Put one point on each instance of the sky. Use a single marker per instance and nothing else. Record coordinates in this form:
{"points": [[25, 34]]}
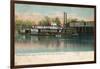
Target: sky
{"points": [[47, 10]]}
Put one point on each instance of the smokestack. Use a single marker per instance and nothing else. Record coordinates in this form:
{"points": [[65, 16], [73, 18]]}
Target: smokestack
{"points": [[65, 18]]}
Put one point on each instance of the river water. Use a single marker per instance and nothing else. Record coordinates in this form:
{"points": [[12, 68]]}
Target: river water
{"points": [[38, 44]]}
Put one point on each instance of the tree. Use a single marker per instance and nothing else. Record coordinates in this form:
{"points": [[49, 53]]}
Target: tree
{"points": [[82, 21], [74, 20], [45, 22], [57, 21], [20, 24], [42, 23]]}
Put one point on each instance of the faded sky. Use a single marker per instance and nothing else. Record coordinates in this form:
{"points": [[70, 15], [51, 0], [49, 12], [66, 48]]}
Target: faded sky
{"points": [[47, 10]]}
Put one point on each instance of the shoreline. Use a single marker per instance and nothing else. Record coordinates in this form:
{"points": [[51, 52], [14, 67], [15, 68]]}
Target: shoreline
{"points": [[51, 57]]}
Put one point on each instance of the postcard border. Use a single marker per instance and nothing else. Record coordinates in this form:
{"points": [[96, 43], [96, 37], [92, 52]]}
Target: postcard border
{"points": [[12, 29]]}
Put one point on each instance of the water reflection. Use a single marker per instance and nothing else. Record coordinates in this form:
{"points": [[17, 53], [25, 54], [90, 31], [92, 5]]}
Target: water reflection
{"points": [[33, 44]]}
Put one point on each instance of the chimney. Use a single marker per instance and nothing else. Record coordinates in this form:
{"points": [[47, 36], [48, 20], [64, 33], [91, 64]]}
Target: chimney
{"points": [[65, 18]]}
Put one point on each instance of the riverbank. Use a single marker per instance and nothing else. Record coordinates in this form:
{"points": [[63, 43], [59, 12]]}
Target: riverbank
{"points": [[53, 57]]}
